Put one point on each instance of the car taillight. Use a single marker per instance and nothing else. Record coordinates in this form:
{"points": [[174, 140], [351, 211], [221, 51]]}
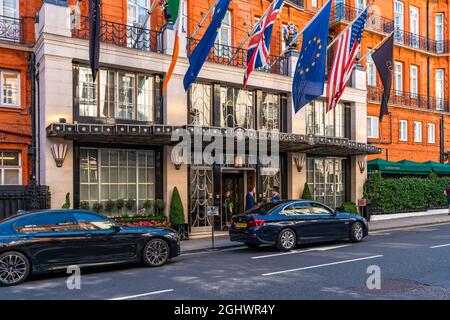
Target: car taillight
{"points": [[255, 223]]}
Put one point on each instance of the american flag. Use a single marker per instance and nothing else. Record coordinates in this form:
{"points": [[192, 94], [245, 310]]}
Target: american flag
{"points": [[259, 46], [344, 60]]}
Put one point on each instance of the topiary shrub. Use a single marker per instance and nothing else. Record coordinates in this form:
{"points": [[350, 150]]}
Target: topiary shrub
{"points": [[120, 204], [97, 207], [159, 205], [306, 193], [129, 204], [84, 205], [66, 205], [176, 214], [348, 207], [110, 206]]}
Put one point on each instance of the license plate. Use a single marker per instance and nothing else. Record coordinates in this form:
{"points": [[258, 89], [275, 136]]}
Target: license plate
{"points": [[241, 225]]}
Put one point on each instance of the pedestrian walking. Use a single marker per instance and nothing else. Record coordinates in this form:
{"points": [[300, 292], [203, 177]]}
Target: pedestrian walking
{"points": [[250, 198], [447, 193], [276, 194]]}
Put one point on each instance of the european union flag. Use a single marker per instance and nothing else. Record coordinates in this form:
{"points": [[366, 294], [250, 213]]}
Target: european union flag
{"points": [[309, 78], [201, 51]]}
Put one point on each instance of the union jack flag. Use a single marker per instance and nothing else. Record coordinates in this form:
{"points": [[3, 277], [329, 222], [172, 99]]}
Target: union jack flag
{"points": [[344, 60], [259, 46]]}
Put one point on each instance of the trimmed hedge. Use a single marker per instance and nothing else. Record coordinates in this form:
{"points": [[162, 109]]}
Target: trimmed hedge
{"points": [[403, 194]]}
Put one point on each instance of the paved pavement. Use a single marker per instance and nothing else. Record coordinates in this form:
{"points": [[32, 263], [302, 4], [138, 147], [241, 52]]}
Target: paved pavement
{"points": [[413, 263], [223, 241]]}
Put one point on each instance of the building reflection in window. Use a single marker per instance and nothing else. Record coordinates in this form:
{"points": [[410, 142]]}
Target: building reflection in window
{"points": [[238, 108], [270, 112], [200, 104], [321, 123]]}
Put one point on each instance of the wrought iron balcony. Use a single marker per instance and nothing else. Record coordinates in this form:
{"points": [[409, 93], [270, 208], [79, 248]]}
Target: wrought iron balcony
{"points": [[237, 57], [120, 34], [422, 43], [10, 29], [375, 94], [298, 3]]}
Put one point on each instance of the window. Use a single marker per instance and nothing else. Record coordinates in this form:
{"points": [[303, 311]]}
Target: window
{"points": [[237, 108], [326, 180], [320, 123], [398, 78], [414, 26], [372, 127], [417, 131], [414, 81], [360, 5], [10, 168], [111, 174], [399, 21], [371, 71], [317, 208], [270, 112], [88, 221], [439, 32], [403, 130], [45, 223], [200, 103], [9, 8], [440, 89], [314, 3], [10, 89], [431, 133], [138, 18], [9, 22], [223, 40], [298, 208], [116, 94]]}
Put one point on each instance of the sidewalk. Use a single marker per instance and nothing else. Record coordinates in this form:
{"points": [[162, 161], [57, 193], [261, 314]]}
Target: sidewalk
{"points": [[222, 242]]}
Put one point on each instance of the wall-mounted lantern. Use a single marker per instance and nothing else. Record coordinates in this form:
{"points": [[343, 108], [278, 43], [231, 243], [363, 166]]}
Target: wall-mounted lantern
{"points": [[59, 152], [299, 160], [177, 158], [362, 164]]}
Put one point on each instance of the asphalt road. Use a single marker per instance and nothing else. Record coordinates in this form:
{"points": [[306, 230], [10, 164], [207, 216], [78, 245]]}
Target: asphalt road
{"points": [[413, 264]]}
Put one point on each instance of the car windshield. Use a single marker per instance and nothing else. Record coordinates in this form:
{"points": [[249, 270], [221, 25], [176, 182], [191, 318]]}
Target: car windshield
{"points": [[264, 209]]}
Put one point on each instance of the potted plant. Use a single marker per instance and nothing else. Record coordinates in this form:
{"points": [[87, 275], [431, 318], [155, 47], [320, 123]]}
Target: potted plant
{"points": [[306, 193], [97, 207], [129, 205], [148, 206], [84, 205], [109, 206], [66, 205], [176, 214], [120, 203], [159, 206]]}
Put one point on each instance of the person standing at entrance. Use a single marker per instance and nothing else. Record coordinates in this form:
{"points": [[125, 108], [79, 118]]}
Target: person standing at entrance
{"points": [[276, 194], [447, 193], [250, 198]]}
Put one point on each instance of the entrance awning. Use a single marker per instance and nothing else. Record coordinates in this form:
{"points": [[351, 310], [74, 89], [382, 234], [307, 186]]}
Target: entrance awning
{"points": [[385, 166], [439, 168], [408, 167], [161, 135]]}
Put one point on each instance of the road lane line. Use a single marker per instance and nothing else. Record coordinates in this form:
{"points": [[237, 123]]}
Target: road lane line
{"points": [[300, 251], [142, 295], [321, 265], [440, 246]]}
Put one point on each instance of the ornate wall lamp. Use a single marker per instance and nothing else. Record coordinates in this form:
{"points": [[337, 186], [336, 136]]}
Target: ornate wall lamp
{"points": [[362, 164], [177, 158], [299, 160], [59, 152]]}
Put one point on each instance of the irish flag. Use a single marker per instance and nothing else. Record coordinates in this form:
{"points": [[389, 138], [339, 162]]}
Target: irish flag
{"points": [[175, 13]]}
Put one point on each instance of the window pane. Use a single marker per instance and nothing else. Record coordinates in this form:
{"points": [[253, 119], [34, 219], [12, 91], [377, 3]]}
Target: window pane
{"points": [[12, 176], [10, 158], [126, 96], [107, 92], [200, 104], [270, 112], [145, 98], [87, 93], [10, 85]]}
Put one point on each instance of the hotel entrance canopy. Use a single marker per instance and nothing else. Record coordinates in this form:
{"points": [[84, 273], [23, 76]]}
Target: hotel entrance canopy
{"points": [[406, 167], [161, 135]]}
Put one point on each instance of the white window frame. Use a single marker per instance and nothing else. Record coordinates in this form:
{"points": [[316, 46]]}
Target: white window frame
{"points": [[222, 48], [371, 71], [440, 88], [414, 81], [5, 168], [360, 5], [439, 32], [417, 131], [373, 127], [399, 20], [403, 130], [9, 105], [414, 25], [431, 128], [16, 14], [314, 3], [398, 78]]}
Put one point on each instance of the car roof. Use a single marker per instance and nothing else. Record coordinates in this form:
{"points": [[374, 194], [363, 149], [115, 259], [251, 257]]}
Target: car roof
{"points": [[38, 212]]}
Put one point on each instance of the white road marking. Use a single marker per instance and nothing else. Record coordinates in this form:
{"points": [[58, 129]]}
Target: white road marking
{"points": [[300, 251], [440, 246], [142, 295], [379, 233], [321, 265]]}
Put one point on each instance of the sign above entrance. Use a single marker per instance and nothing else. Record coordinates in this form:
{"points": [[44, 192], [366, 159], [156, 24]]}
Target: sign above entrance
{"points": [[212, 211]]}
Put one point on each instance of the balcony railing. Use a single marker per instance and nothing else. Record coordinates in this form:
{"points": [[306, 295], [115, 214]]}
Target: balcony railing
{"points": [[298, 3], [237, 57], [375, 94], [121, 35], [10, 29], [342, 12]]}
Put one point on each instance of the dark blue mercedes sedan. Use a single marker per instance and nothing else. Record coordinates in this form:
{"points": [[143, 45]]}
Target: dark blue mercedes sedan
{"points": [[288, 223]]}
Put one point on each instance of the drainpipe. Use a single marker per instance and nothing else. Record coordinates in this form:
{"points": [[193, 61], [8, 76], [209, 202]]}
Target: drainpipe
{"points": [[32, 150], [428, 56], [441, 138]]}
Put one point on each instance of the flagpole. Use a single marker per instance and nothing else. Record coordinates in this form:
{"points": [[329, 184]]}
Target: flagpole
{"points": [[376, 47], [249, 34], [297, 36], [204, 19], [349, 26]]}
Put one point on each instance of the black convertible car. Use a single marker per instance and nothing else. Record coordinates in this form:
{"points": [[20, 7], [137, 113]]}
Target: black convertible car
{"points": [[52, 240]]}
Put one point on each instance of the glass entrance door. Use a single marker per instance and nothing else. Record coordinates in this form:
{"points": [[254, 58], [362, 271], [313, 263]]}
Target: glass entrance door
{"points": [[233, 195]]}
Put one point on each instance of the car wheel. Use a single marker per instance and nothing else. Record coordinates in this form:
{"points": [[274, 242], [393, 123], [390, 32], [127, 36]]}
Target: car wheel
{"points": [[252, 245], [286, 240], [156, 253], [357, 232], [14, 268]]}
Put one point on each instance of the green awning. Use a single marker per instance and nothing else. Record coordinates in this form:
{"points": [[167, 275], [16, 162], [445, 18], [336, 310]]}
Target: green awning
{"points": [[415, 167], [385, 166], [439, 168]]}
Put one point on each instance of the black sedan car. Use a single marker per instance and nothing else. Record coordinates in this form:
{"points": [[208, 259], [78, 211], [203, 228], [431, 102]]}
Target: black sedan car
{"points": [[52, 240], [288, 223]]}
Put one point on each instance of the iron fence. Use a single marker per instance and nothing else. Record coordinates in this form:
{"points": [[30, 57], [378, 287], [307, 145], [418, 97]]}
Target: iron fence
{"points": [[11, 29], [15, 198]]}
